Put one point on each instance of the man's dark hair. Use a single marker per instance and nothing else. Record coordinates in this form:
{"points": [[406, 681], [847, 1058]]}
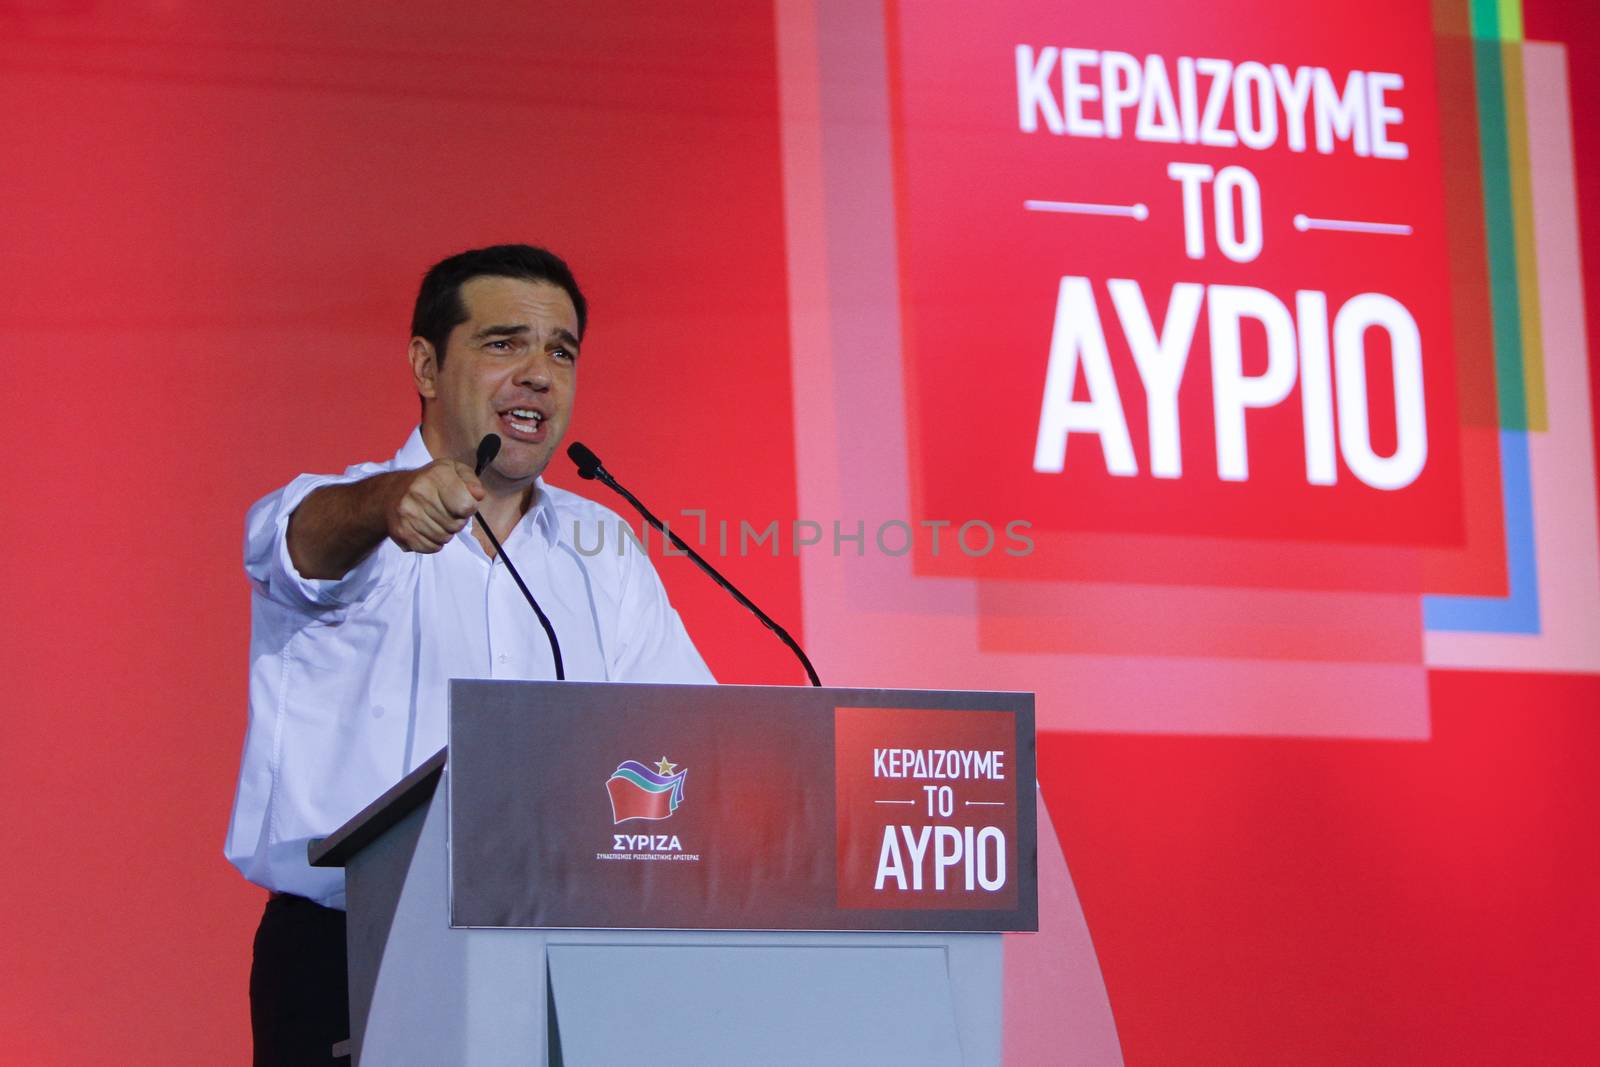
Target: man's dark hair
{"points": [[439, 308]]}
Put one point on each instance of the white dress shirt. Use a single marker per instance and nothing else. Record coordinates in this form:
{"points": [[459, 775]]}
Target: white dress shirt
{"points": [[348, 677]]}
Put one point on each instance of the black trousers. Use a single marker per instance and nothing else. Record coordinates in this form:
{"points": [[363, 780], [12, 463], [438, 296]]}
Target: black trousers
{"points": [[299, 988]]}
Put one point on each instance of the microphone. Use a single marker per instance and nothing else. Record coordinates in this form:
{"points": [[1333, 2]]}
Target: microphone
{"points": [[589, 466], [488, 448], [591, 469]]}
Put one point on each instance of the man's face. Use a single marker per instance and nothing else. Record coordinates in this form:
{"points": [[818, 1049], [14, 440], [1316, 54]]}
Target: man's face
{"points": [[509, 369]]}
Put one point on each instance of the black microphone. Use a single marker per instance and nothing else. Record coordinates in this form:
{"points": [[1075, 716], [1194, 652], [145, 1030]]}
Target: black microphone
{"points": [[488, 448], [590, 468]]}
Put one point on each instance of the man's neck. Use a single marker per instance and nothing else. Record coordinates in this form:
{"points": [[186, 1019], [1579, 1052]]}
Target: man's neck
{"points": [[502, 509]]}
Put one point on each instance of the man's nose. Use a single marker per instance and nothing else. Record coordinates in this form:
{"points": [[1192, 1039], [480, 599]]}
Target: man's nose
{"points": [[535, 370]]}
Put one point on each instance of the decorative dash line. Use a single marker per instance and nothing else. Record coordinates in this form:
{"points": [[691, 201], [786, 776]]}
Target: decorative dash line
{"points": [[894, 801], [1306, 222], [984, 803], [1138, 212]]}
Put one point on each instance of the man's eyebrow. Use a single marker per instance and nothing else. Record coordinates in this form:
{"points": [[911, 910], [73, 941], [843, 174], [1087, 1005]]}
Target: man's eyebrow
{"points": [[499, 331], [566, 338]]}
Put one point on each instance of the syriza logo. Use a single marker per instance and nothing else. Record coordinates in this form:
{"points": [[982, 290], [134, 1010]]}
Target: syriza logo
{"points": [[638, 792], [641, 792]]}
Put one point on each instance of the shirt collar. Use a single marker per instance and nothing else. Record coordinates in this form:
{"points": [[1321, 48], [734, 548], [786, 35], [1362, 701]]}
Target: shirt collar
{"points": [[414, 453], [543, 514]]}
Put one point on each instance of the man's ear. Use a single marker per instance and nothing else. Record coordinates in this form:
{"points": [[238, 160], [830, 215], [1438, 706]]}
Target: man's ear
{"points": [[424, 368]]}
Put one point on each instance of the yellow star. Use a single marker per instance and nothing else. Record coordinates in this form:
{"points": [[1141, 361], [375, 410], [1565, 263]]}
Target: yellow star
{"points": [[664, 768]]}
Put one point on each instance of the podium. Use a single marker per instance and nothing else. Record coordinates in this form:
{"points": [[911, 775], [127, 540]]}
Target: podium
{"points": [[805, 875]]}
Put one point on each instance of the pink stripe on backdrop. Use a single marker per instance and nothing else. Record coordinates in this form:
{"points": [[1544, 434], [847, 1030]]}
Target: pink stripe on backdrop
{"points": [[1256, 624], [1125, 694]]}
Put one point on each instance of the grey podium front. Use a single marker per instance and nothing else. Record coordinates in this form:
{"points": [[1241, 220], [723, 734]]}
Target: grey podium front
{"points": [[424, 993]]}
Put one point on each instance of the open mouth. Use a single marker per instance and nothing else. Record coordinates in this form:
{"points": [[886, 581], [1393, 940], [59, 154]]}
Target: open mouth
{"points": [[524, 424]]}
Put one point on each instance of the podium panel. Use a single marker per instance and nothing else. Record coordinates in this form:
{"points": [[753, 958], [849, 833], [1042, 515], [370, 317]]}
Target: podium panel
{"points": [[741, 807]]}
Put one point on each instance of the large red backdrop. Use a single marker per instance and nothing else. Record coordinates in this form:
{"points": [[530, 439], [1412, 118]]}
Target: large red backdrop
{"points": [[214, 218]]}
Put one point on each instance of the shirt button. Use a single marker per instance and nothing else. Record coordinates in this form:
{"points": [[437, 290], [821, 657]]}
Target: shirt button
{"points": [[377, 711], [504, 658]]}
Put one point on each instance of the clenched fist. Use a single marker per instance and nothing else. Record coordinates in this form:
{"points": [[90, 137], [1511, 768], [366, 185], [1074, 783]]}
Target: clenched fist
{"points": [[432, 505]]}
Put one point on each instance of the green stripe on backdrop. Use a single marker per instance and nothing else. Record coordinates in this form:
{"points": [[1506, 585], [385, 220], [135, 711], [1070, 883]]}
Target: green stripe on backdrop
{"points": [[1499, 226], [1501, 21], [1484, 16]]}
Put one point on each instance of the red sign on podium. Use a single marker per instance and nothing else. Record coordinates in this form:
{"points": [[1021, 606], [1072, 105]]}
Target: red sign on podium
{"points": [[926, 807]]}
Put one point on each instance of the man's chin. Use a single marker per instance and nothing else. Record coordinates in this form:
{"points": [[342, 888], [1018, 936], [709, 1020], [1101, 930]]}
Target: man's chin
{"points": [[519, 471]]}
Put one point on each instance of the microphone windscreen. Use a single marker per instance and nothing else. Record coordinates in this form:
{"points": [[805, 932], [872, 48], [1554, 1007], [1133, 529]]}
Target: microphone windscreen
{"points": [[488, 448], [588, 463]]}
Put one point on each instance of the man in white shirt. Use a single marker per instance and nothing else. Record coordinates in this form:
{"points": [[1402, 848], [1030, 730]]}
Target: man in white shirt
{"points": [[373, 588]]}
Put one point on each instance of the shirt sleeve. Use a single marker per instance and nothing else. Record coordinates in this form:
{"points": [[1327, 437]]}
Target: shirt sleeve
{"points": [[655, 645], [273, 573]]}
